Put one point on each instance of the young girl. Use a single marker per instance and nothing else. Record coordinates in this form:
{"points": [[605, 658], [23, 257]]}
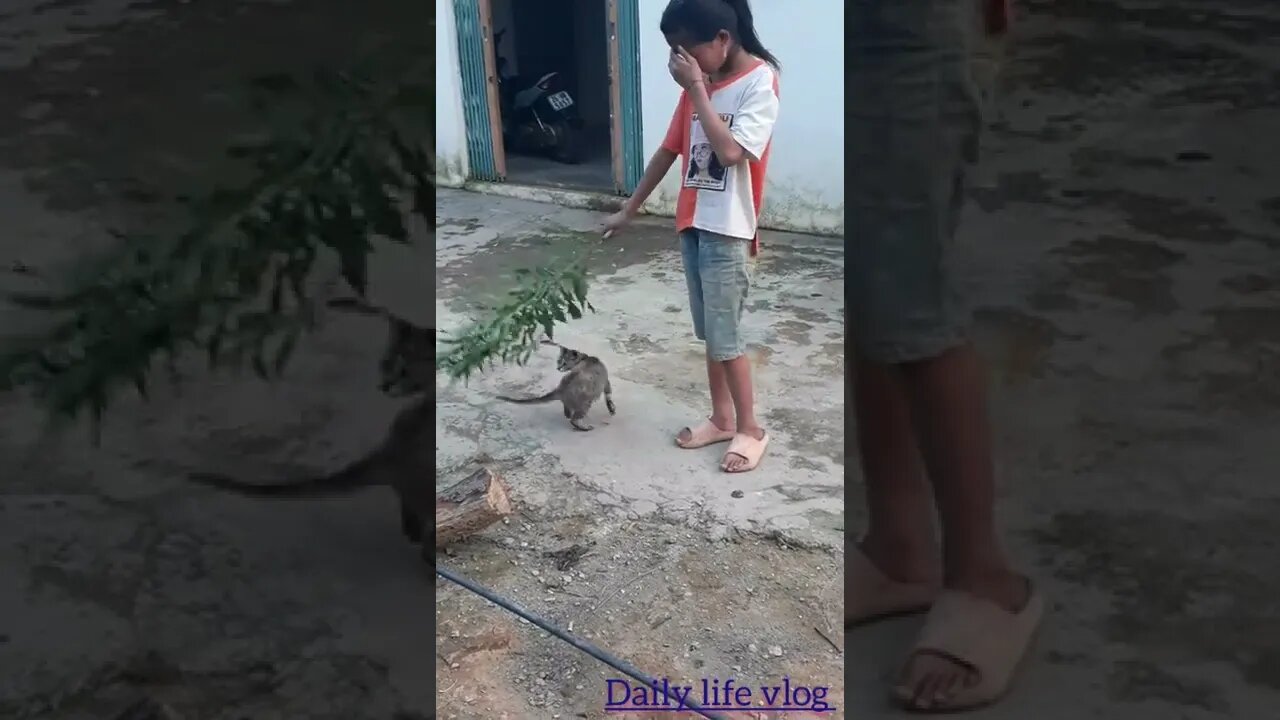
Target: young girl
{"points": [[723, 123]]}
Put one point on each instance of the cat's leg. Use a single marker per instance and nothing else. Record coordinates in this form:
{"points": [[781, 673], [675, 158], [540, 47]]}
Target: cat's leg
{"points": [[576, 421], [608, 398]]}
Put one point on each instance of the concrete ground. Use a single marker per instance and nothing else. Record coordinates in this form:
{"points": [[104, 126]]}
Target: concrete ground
{"points": [[1122, 246], [643, 333]]}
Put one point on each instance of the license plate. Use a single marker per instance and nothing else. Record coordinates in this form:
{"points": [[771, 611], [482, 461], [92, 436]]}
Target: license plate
{"points": [[560, 100]]}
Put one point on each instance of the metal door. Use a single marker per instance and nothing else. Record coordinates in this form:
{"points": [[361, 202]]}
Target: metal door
{"points": [[480, 90], [624, 93]]}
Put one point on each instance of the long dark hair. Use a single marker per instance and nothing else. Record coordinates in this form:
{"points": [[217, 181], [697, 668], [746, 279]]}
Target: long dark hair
{"points": [[702, 19]]}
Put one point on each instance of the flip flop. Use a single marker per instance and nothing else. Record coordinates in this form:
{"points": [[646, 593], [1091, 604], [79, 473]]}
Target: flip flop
{"points": [[980, 635], [703, 435], [749, 448], [871, 596]]}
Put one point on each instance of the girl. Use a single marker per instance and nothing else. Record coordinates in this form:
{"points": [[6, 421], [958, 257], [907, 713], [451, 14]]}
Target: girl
{"points": [[724, 121]]}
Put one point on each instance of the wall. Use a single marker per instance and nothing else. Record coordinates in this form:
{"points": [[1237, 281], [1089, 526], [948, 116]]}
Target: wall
{"points": [[805, 188], [451, 131]]}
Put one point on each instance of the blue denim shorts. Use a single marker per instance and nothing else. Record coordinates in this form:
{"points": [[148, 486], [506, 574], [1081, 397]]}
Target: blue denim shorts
{"points": [[918, 88], [717, 269]]}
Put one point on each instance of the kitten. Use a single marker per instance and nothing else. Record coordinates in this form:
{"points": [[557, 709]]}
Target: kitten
{"points": [[405, 461], [585, 379]]}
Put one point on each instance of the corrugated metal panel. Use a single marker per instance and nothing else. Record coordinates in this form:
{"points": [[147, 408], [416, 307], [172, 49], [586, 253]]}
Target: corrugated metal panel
{"points": [[629, 72], [475, 97]]}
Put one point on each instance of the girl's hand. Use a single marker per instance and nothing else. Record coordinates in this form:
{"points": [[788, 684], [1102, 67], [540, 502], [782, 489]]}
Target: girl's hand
{"points": [[683, 68], [616, 222]]}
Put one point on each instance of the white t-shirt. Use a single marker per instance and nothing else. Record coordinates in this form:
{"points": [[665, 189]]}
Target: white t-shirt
{"points": [[712, 197]]}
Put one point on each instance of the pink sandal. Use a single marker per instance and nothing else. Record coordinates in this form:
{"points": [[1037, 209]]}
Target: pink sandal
{"points": [[990, 641], [703, 435], [871, 596], [749, 448]]}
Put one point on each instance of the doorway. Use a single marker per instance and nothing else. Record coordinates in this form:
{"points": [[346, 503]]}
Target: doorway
{"points": [[514, 46]]}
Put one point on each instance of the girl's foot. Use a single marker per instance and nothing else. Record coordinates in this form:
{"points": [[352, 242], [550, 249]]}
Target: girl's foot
{"points": [[970, 647], [708, 432], [873, 593], [746, 451]]}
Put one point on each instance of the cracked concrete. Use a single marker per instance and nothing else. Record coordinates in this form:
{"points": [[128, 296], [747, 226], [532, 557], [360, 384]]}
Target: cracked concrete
{"points": [[643, 333]]}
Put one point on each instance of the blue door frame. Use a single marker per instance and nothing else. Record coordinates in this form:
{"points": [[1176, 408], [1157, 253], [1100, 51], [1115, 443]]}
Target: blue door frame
{"points": [[485, 153], [483, 119], [625, 43]]}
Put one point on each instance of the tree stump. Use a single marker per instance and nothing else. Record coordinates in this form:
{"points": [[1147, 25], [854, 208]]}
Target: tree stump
{"points": [[471, 505]]}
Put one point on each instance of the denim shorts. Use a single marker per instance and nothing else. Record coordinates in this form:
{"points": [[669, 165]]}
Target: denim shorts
{"points": [[718, 273], [919, 78]]}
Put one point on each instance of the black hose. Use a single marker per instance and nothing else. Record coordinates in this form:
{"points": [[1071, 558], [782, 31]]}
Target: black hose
{"points": [[582, 645]]}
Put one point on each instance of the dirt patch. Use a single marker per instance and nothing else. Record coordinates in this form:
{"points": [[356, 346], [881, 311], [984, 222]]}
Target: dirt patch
{"points": [[669, 598]]}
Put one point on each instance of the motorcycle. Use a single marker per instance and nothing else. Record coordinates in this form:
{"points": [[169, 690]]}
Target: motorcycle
{"points": [[538, 117]]}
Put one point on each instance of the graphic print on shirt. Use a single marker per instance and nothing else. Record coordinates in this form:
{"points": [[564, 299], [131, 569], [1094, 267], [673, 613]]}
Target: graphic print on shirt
{"points": [[705, 171]]}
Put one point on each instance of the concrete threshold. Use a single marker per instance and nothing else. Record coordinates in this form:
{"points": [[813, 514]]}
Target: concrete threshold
{"points": [[584, 200], [565, 197]]}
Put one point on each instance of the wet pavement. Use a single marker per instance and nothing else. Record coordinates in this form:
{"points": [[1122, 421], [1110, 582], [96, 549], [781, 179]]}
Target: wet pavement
{"points": [[642, 332], [1122, 246]]}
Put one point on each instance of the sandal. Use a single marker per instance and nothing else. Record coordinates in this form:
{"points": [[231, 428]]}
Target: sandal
{"points": [[975, 633], [703, 435], [749, 448], [871, 596]]}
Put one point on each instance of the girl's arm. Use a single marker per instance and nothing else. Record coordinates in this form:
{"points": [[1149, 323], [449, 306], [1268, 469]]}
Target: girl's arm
{"points": [[725, 145], [658, 166]]}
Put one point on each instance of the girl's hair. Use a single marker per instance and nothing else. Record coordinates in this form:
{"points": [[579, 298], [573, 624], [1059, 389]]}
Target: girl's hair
{"points": [[702, 19]]}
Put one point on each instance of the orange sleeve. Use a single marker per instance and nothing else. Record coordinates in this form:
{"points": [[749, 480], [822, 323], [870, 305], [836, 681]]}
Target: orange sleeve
{"points": [[674, 140]]}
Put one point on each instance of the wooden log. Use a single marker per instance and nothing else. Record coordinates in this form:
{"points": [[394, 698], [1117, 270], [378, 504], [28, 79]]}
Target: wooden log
{"points": [[471, 505]]}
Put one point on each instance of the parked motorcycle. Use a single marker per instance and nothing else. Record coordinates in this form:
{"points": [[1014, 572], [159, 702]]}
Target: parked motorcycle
{"points": [[539, 117]]}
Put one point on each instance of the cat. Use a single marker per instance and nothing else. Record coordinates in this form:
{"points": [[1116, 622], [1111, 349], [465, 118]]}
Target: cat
{"points": [[585, 379], [405, 460]]}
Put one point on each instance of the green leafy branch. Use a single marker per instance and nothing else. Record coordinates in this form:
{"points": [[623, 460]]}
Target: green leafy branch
{"points": [[235, 284], [511, 335]]}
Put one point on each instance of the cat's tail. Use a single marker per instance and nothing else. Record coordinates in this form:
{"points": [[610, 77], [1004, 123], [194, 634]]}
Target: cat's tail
{"points": [[349, 479], [554, 394]]}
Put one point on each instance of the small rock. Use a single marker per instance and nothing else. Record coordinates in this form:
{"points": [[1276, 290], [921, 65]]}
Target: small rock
{"points": [[776, 651]]}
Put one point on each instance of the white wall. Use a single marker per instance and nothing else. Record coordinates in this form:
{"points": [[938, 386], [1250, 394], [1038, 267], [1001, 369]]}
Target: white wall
{"points": [[805, 187], [451, 129]]}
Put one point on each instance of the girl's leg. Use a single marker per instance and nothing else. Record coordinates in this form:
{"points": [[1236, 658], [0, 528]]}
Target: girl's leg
{"points": [[899, 540], [721, 401], [725, 277], [722, 404]]}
